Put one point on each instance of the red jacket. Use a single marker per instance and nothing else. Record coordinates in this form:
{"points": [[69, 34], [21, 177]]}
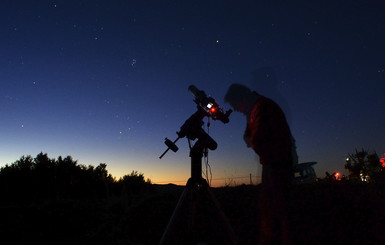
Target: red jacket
{"points": [[268, 133]]}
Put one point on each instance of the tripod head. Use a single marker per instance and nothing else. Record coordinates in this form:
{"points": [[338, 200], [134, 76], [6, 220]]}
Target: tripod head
{"points": [[192, 128]]}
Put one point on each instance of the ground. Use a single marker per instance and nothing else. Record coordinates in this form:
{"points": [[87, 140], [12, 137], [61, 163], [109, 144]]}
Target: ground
{"points": [[322, 213]]}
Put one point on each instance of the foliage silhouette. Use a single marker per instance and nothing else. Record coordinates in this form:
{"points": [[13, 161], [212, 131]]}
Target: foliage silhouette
{"points": [[364, 166], [134, 182], [41, 178]]}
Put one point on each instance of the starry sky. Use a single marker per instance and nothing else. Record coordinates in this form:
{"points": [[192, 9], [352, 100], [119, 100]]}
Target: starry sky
{"points": [[106, 81]]}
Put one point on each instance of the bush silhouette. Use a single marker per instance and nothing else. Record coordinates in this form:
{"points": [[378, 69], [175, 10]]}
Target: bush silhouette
{"points": [[364, 166], [39, 178]]}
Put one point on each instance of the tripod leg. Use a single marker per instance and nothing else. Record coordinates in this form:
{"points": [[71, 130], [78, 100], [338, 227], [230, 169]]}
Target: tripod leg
{"points": [[222, 216], [169, 230], [198, 218]]}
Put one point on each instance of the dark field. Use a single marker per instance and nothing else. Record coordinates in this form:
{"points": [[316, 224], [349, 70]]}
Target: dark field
{"points": [[322, 213]]}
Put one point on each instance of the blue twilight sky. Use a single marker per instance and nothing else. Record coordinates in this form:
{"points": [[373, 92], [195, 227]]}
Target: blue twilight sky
{"points": [[106, 81]]}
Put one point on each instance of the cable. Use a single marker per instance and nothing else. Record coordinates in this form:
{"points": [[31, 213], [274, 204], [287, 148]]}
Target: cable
{"points": [[206, 154], [208, 169]]}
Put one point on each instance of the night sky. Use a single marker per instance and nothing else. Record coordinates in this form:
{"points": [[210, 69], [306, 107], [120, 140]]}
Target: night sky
{"points": [[106, 81]]}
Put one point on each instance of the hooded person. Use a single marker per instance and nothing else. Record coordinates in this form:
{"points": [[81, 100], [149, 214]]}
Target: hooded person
{"points": [[268, 134]]}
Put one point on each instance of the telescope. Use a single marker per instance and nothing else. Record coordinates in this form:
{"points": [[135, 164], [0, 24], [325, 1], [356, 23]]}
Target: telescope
{"points": [[192, 128], [197, 200]]}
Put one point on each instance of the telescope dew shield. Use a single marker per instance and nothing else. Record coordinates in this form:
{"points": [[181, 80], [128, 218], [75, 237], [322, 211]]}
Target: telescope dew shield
{"points": [[199, 95]]}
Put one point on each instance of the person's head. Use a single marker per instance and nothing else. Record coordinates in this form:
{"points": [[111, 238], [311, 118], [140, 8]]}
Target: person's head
{"points": [[241, 98]]}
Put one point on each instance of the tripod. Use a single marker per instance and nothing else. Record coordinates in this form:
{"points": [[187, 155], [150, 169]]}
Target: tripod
{"points": [[197, 218]]}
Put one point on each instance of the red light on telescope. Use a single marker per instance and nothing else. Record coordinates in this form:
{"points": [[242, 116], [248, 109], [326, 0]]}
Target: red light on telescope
{"points": [[212, 109]]}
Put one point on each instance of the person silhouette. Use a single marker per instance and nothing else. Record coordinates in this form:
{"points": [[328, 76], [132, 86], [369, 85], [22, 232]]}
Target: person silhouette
{"points": [[268, 134], [267, 82]]}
